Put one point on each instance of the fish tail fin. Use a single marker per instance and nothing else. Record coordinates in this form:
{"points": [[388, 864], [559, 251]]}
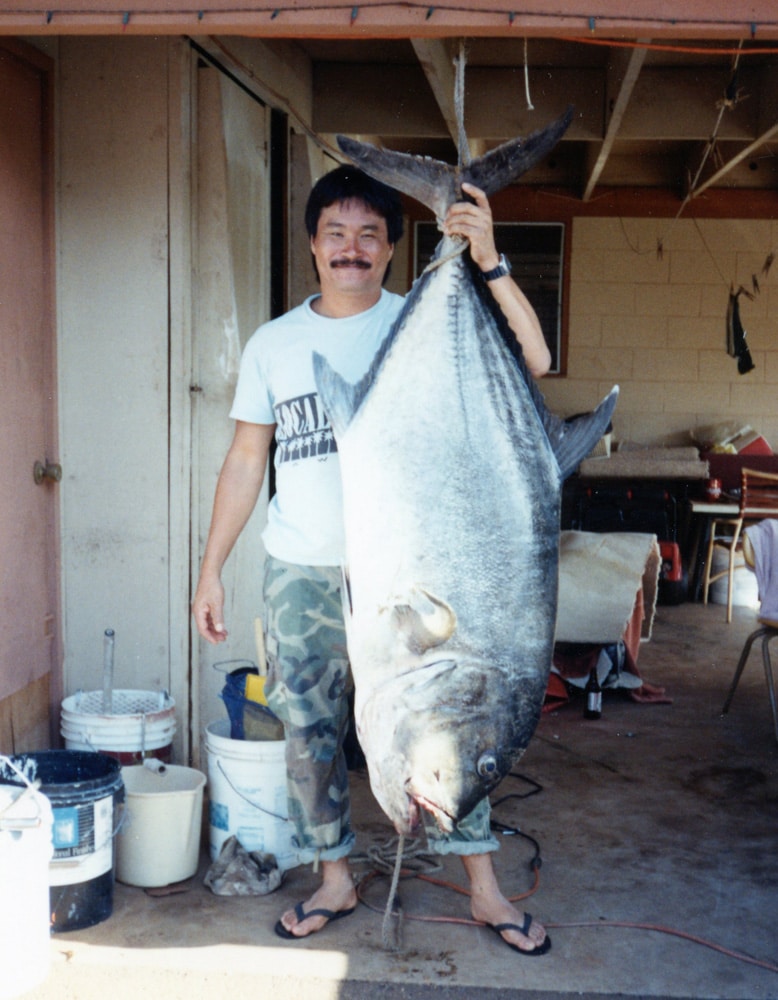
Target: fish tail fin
{"points": [[499, 167], [430, 181], [573, 439], [437, 184], [339, 397]]}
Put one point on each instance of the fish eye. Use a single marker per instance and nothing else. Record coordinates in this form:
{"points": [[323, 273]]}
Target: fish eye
{"points": [[487, 764]]}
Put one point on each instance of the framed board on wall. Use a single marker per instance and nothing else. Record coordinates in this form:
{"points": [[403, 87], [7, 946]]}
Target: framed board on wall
{"points": [[536, 252]]}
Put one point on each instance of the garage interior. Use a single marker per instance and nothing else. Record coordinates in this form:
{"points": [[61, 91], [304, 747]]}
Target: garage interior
{"points": [[655, 828], [656, 823]]}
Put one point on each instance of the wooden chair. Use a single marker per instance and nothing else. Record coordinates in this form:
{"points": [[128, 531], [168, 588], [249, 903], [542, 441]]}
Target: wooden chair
{"points": [[768, 629], [758, 500]]}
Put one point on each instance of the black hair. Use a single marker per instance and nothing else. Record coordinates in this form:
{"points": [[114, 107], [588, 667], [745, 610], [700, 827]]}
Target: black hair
{"points": [[346, 183]]}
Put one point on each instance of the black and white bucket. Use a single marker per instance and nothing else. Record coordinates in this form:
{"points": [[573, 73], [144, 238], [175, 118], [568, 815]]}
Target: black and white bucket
{"points": [[86, 793]]}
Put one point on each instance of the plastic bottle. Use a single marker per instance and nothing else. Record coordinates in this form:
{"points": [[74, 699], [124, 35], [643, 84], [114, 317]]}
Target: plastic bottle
{"points": [[593, 692]]}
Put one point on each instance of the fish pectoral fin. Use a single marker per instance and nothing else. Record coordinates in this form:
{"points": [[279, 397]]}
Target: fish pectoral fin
{"points": [[423, 620]]}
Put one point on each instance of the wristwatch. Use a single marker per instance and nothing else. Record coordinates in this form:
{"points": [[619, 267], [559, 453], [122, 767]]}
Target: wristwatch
{"points": [[503, 268]]}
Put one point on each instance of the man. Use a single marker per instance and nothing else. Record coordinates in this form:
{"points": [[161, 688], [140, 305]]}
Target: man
{"points": [[353, 225]]}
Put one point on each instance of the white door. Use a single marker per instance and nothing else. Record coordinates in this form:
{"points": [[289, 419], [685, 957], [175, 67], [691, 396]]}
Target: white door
{"points": [[29, 649], [232, 298]]}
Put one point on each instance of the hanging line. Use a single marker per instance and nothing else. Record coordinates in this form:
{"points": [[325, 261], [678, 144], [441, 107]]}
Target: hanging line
{"points": [[463, 150], [712, 141], [530, 105]]}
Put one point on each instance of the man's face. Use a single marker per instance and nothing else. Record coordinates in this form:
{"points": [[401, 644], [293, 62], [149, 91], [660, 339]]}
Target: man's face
{"points": [[351, 249]]}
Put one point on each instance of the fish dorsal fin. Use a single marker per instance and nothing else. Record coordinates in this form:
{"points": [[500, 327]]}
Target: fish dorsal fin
{"points": [[437, 184], [339, 397], [570, 440], [423, 620]]}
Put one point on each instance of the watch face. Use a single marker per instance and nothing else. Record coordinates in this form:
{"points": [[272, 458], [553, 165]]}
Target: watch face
{"points": [[500, 271]]}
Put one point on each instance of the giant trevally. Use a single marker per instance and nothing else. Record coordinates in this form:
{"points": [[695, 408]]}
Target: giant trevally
{"points": [[452, 469]]}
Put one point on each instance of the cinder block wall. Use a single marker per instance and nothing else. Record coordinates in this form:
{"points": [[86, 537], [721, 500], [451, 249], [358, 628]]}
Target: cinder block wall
{"points": [[655, 323]]}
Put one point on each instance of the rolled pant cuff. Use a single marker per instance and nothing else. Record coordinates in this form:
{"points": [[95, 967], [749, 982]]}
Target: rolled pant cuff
{"points": [[308, 855], [463, 846]]}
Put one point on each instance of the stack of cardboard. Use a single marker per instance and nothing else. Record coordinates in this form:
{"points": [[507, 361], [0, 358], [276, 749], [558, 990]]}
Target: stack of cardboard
{"points": [[744, 441]]}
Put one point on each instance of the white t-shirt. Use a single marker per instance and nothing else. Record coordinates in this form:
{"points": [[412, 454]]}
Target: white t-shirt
{"points": [[276, 386]]}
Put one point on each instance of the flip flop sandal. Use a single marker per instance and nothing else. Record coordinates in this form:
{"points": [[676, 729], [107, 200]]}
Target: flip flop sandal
{"points": [[301, 915], [540, 949]]}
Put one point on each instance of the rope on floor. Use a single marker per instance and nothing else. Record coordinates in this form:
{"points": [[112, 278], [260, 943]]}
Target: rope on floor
{"points": [[411, 860]]}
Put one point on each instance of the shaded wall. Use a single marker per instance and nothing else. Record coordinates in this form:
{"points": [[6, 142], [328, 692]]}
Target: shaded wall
{"points": [[656, 324]]}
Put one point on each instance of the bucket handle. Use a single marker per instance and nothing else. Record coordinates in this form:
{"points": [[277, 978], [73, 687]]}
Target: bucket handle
{"points": [[256, 805], [88, 740], [27, 823], [124, 818]]}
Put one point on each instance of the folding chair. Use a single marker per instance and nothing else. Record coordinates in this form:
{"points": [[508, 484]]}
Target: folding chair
{"points": [[768, 629], [758, 500]]}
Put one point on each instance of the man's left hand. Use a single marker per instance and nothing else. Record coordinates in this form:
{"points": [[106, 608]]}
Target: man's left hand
{"points": [[473, 221]]}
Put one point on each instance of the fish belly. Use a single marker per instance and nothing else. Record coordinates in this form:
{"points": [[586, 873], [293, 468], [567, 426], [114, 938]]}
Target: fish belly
{"points": [[450, 485]]}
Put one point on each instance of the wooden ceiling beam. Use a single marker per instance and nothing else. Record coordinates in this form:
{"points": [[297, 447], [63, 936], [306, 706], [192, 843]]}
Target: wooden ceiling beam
{"points": [[743, 154], [437, 65], [622, 74], [436, 60]]}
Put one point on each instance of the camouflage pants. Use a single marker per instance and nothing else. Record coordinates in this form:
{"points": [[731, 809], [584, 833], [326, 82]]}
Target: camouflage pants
{"points": [[308, 686]]}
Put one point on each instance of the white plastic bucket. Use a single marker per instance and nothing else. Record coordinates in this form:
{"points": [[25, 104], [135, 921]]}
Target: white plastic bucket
{"points": [[745, 592], [247, 794], [142, 724], [25, 852], [159, 840]]}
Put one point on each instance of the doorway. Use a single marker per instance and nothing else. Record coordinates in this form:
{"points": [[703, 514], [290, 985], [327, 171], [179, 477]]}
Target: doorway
{"points": [[30, 680]]}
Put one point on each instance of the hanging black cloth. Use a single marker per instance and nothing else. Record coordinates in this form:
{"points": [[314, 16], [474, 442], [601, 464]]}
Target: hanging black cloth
{"points": [[736, 335]]}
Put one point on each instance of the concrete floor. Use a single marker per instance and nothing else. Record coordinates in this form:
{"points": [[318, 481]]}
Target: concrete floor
{"points": [[664, 817]]}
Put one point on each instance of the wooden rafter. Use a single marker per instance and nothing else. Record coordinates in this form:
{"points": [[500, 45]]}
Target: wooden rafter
{"points": [[623, 72]]}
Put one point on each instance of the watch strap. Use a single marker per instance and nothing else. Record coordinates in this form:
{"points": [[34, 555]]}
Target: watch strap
{"points": [[500, 271]]}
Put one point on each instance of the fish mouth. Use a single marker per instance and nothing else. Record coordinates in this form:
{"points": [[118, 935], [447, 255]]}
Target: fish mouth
{"points": [[417, 802]]}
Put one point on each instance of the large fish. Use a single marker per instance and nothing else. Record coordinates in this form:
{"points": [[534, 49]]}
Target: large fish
{"points": [[452, 470]]}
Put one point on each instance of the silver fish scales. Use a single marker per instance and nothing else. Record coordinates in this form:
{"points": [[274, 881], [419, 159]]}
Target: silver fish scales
{"points": [[452, 470]]}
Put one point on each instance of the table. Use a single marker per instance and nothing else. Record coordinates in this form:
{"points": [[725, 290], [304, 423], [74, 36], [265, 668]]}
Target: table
{"points": [[715, 508], [705, 511]]}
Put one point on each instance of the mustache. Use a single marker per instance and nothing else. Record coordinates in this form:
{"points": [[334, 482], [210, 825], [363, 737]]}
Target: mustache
{"points": [[365, 265]]}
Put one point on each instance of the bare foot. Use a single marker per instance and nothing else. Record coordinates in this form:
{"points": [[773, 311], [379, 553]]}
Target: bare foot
{"points": [[336, 894], [489, 905]]}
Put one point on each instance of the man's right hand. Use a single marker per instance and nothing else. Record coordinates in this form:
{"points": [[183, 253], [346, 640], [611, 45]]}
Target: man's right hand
{"points": [[208, 610], [237, 489]]}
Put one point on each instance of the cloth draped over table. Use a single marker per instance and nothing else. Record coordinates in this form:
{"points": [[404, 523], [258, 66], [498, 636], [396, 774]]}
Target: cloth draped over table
{"points": [[607, 602]]}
